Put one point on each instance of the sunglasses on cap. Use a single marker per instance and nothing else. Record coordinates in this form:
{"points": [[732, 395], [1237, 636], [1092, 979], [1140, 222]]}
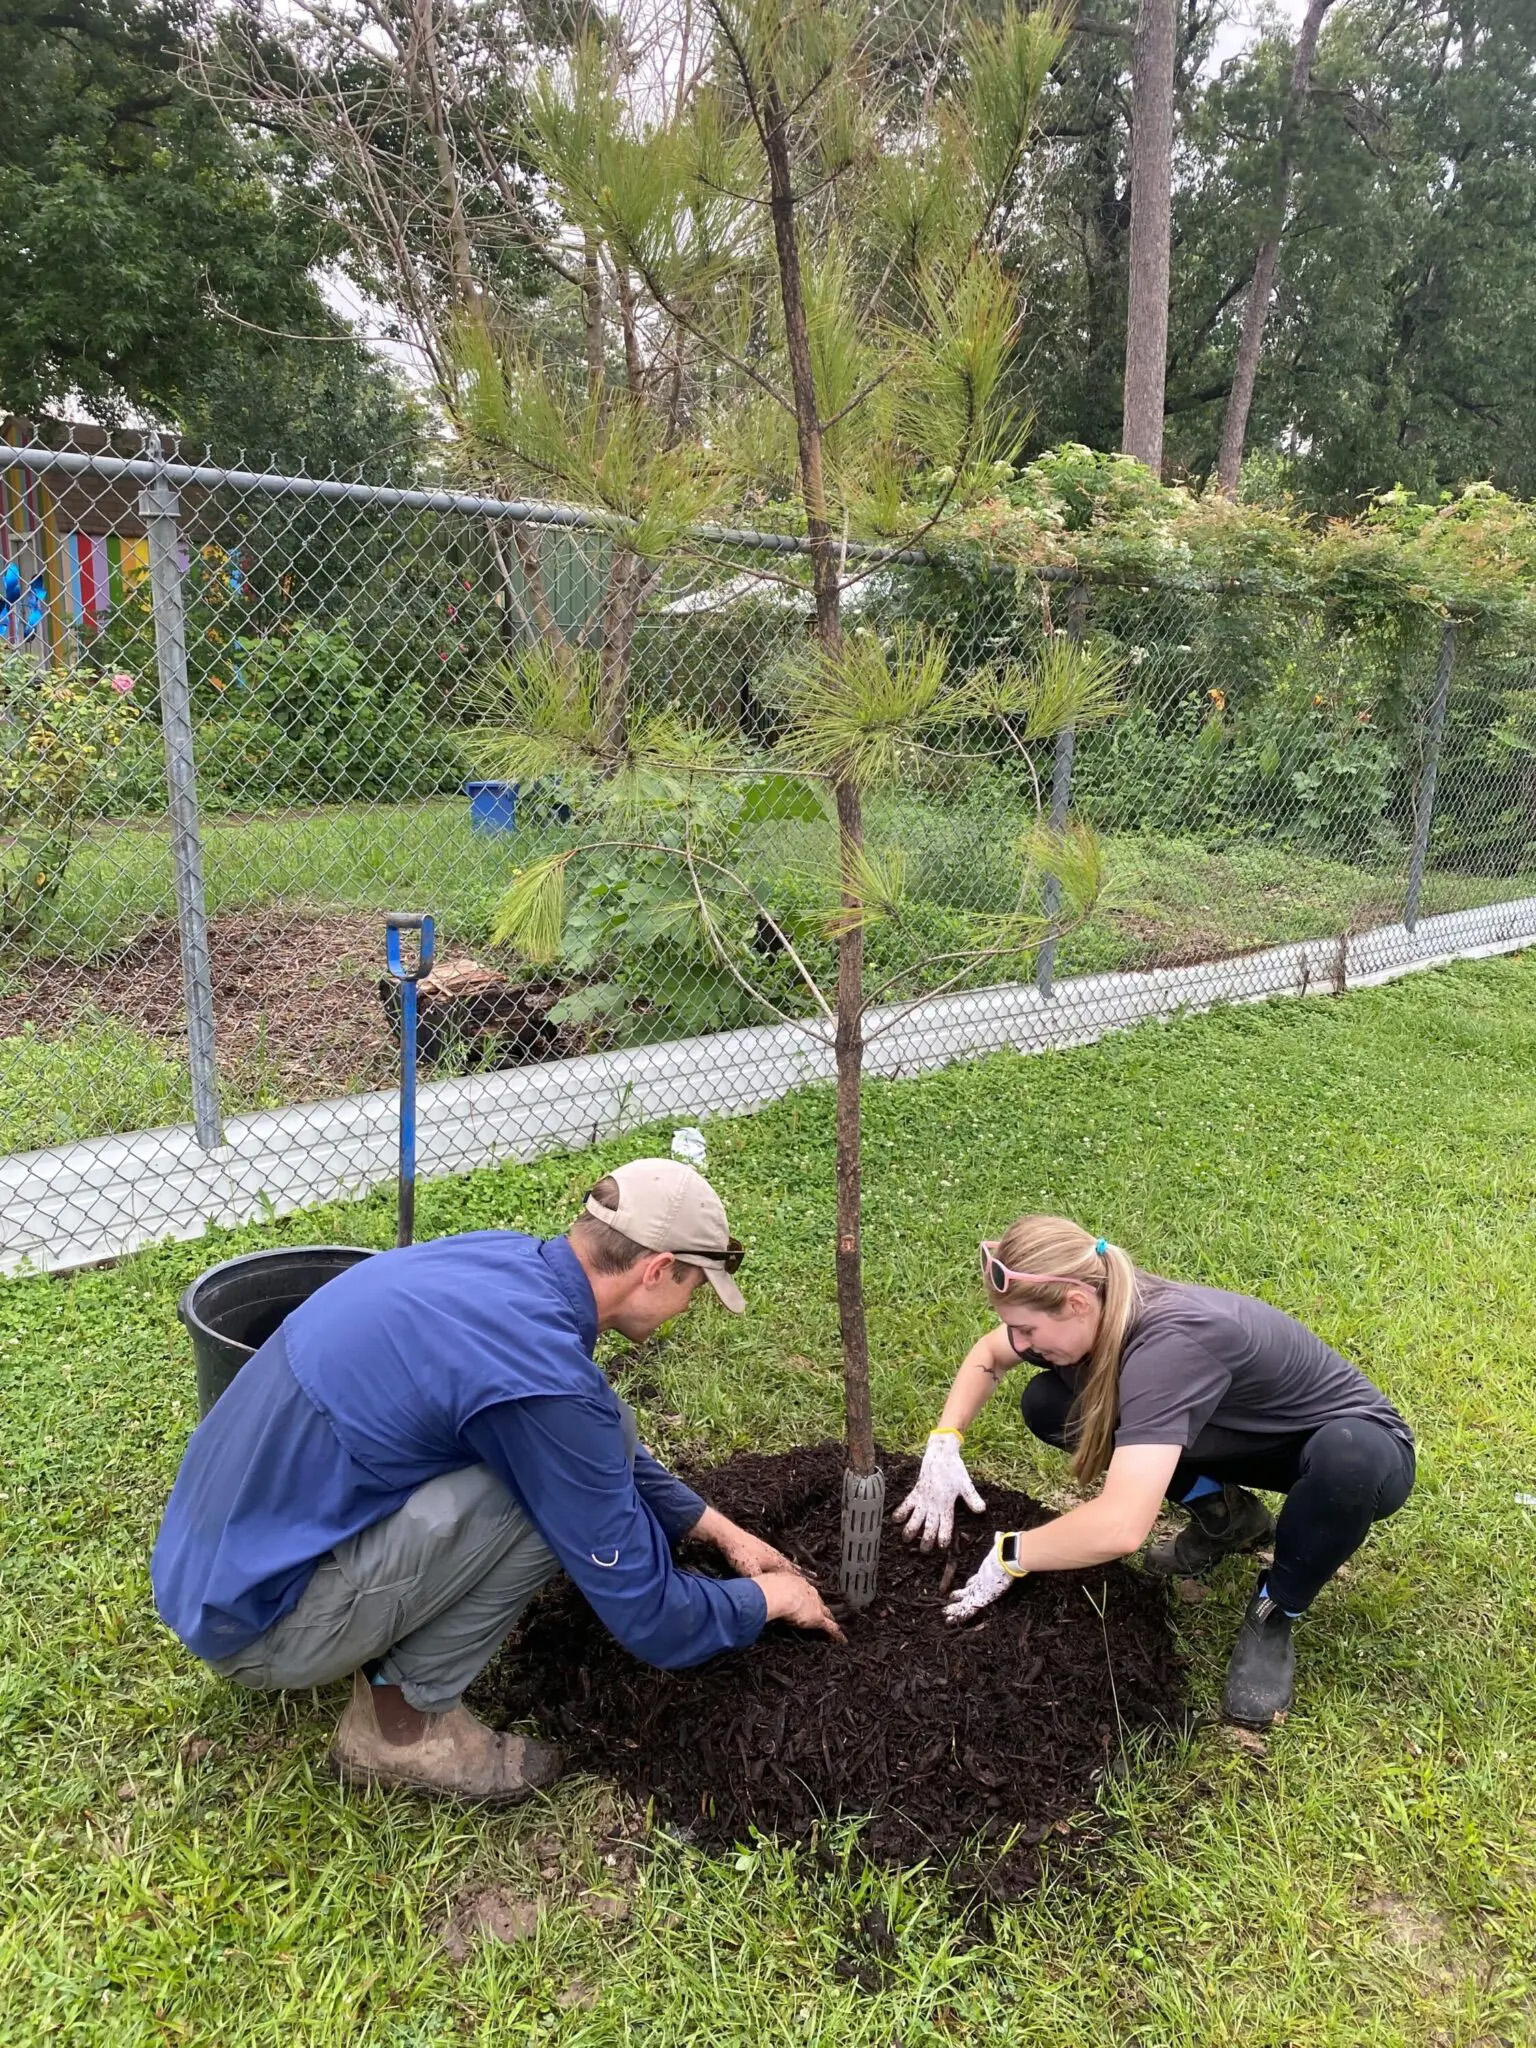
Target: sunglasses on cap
{"points": [[1000, 1277], [730, 1259]]}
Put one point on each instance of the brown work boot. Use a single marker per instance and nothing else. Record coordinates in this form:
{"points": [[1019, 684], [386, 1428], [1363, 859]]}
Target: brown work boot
{"points": [[383, 1741], [1220, 1525]]}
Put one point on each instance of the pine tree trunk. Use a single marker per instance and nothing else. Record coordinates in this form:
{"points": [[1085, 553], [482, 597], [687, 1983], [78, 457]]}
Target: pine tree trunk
{"points": [[530, 558], [850, 1074], [863, 1491], [1234, 425], [592, 316], [1146, 317], [627, 578]]}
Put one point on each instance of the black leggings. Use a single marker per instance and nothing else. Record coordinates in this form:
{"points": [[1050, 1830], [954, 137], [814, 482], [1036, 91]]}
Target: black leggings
{"points": [[1337, 1480]]}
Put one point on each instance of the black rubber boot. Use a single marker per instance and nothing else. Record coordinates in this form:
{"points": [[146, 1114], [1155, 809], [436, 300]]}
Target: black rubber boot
{"points": [[1261, 1672], [1220, 1525]]}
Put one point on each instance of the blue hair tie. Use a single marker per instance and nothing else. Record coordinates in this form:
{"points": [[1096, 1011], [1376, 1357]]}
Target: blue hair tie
{"points": [[1102, 1246]]}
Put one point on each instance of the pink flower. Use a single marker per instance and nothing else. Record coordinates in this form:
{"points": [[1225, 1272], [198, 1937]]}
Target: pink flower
{"points": [[121, 683]]}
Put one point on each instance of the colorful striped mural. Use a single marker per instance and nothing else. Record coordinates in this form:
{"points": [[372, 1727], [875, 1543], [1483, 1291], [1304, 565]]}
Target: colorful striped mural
{"points": [[53, 583]]}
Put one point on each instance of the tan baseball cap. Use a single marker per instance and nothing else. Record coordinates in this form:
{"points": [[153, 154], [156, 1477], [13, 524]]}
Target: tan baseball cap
{"points": [[670, 1207]]}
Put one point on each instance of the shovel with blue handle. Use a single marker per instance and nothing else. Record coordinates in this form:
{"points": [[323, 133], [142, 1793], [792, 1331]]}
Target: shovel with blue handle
{"points": [[408, 944]]}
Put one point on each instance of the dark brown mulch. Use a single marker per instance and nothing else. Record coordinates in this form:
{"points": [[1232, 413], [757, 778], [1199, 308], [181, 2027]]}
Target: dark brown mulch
{"points": [[472, 1017], [942, 1735]]}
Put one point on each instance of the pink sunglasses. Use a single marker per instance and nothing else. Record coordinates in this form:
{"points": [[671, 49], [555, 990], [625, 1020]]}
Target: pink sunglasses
{"points": [[1000, 1277]]}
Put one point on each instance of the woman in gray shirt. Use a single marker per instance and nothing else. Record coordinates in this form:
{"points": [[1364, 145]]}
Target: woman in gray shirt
{"points": [[1169, 1391]]}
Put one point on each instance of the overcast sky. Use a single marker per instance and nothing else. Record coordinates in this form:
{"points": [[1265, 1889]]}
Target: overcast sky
{"points": [[1236, 33]]}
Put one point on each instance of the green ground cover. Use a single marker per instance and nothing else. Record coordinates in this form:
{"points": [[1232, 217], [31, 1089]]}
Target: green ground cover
{"points": [[1165, 900], [1161, 890], [176, 1865]]}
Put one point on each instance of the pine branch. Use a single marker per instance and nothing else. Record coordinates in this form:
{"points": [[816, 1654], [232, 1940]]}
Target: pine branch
{"points": [[722, 954]]}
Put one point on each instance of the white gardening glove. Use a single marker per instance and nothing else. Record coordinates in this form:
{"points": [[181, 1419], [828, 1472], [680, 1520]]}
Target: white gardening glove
{"points": [[989, 1582], [928, 1512]]}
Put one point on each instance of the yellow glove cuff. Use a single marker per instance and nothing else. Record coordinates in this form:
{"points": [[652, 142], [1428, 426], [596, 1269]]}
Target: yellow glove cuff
{"points": [[1011, 1566], [957, 1434]]}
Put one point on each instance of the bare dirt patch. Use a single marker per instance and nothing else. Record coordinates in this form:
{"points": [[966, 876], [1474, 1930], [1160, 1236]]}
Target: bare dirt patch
{"points": [[302, 1006], [491, 1914], [295, 998], [1409, 1923], [1160, 944]]}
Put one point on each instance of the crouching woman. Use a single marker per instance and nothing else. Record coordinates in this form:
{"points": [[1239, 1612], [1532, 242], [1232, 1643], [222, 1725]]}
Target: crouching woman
{"points": [[1172, 1391]]}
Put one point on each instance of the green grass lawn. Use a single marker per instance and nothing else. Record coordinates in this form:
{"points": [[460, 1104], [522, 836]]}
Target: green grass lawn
{"points": [[178, 1867], [1164, 900], [380, 856], [1162, 893], [98, 1077]]}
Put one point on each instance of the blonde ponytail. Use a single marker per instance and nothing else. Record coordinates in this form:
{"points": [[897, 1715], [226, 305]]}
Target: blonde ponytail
{"points": [[1052, 1246]]}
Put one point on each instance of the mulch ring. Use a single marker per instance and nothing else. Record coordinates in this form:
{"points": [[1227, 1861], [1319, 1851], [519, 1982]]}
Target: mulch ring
{"points": [[973, 1743], [300, 1001]]}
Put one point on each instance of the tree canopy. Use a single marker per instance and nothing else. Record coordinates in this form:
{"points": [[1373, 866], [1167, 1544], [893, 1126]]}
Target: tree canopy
{"points": [[154, 260], [162, 225], [1401, 347]]}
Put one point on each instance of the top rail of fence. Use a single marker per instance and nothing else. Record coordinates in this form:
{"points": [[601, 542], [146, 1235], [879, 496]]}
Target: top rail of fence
{"points": [[147, 469], [150, 469]]}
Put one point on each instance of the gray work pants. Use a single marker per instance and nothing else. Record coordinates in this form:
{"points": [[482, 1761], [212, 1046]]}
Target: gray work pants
{"points": [[432, 1591]]}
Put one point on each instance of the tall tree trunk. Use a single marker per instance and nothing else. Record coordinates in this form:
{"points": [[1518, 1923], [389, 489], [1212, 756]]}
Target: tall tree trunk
{"points": [[531, 560], [627, 579], [1146, 317], [592, 315], [850, 946], [634, 369], [1234, 426], [850, 1074]]}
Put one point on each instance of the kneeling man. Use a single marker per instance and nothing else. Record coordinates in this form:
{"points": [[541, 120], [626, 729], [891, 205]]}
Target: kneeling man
{"points": [[426, 1441]]}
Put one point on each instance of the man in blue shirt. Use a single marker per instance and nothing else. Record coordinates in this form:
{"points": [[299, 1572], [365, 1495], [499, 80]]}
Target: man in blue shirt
{"points": [[426, 1441]]}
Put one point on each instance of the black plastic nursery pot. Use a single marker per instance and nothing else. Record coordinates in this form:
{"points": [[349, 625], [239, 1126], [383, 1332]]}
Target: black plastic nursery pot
{"points": [[232, 1309]]}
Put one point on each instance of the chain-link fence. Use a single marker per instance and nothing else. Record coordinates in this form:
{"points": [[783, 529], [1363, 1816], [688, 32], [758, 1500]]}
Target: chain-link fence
{"points": [[244, 715]]}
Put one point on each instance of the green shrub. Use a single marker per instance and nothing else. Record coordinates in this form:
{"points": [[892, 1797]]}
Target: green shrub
{"points": [[62, 739], [331, 732], [301, 713]]}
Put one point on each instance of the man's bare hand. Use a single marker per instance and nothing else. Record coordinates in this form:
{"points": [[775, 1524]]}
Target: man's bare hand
{"points": [[797, 1601], [753, 1557], [749, 1554]]}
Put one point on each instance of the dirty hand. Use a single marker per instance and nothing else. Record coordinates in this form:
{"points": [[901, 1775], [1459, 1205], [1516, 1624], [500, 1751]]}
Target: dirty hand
{"points": [[797, 1601], [989, 1582], [739, 1547], [928, 1511], [750, 1555]]}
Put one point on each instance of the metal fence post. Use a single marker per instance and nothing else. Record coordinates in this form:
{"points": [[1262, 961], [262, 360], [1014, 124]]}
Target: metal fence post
{"points": [[1424, 809], [1061, 792], [160, 509]]}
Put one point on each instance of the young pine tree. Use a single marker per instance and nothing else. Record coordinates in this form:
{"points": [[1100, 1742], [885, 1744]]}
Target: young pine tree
{"points": [[812, 309]]}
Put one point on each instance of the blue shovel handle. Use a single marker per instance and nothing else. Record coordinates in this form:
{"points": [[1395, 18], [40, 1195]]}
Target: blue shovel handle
{"points": [[408, 972]]}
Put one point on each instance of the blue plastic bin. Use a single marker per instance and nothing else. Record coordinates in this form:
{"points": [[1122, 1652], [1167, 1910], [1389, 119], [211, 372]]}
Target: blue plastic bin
{"points": [[492, 806]]}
